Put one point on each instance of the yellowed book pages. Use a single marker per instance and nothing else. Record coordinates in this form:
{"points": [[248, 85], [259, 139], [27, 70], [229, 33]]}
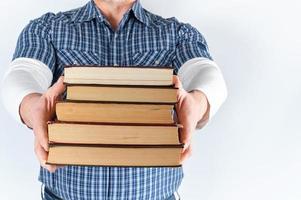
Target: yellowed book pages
{"points": [[121, 94], [112, 134], [118, 75], [114, 112], [114, 156]]}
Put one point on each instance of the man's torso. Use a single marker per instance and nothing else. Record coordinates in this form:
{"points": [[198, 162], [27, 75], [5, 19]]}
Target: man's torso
{"points": [[82, 37]]}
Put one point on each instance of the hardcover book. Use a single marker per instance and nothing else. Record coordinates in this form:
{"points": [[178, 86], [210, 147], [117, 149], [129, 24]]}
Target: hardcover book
{"points": [[114, 93], [115, 112], [108, 133], [118, 75], [109, 155]]}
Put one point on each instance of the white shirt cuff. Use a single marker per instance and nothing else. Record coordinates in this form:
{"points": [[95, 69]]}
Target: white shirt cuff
{"points": [[24, 76]]}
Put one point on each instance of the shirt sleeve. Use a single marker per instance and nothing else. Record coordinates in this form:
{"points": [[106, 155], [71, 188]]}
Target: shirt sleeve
{"points": [[24, 76], [35, 42], [190, 44]]}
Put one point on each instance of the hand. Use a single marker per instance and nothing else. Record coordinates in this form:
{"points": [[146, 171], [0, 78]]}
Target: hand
{"points": [[190, 109], [41, 111]]}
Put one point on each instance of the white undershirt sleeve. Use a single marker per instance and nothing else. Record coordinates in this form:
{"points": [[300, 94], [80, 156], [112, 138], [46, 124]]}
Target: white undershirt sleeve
{"points": [[24, 76], [204, 75]]}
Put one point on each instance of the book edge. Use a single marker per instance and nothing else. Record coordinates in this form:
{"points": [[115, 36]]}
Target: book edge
{"points": [[50, 163], [118, 102], [178, 146], [56, 121], [172, 86], [115, 102], [121, 66]]}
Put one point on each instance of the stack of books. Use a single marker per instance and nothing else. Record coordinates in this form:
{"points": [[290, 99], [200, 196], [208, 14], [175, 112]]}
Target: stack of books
{"points": [[116, 116]]}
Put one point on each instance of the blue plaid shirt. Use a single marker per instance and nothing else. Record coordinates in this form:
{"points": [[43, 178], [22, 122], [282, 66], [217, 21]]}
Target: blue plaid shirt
{"points": [[83, 36]]}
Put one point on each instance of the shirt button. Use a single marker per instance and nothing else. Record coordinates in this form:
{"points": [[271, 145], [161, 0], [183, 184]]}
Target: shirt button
{"points": [[157, 62], [115, 64]]}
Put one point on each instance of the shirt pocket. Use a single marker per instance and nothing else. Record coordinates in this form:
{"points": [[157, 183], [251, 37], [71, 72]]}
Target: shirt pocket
{"points": [[77, 57], [162, 57]]}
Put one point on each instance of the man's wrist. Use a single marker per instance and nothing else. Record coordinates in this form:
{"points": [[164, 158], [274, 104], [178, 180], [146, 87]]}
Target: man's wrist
{"points": [[26, 106], [201, 98], [198, 95]]}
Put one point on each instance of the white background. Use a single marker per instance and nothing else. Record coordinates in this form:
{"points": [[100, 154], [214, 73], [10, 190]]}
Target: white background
{"points": [[251, 149]]}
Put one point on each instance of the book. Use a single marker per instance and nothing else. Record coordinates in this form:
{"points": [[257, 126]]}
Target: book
{"points": [[118, 75], [116, 116], [96, 92], [117, 155], [106, 133], [115, 112]]}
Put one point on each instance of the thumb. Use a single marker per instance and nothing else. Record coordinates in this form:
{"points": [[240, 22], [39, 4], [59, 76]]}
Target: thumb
{"points": [[56, 89], [176, 81], [181, 91], [59, 87]]}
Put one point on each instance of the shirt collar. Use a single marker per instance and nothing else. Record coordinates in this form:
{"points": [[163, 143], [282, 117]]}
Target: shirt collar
{"points": [[90, 11], [85, 13], [140, 13]]}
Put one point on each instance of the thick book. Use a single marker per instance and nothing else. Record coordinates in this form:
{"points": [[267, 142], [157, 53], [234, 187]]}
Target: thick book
{"points": [[106, 133], [115, 155], [120, 75], [114, 93], [115, 112]]}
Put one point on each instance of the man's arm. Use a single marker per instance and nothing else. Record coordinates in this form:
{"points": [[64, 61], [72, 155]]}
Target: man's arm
{"points": [[28, 98], [192, 107], [25, 89], [202, 87], [202, 92], [36, 110]]}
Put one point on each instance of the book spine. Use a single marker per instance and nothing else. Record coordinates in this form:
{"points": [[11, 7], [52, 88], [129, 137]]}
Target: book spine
{"points": [[135, 166], [134, 67], [118, 102], [54, 121], [54, 144], [172, 86]]}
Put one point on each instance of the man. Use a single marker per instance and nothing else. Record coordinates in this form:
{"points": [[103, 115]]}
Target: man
{"points": [[114, 33]]}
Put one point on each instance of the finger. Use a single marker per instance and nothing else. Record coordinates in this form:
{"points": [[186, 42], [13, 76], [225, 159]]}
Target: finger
{"points": [[42, 157], [185, 132], [181, 92], [186, 154], [51, 168], [41, 133], [42, 136], [40, 152], [54, 93], [40, 130], [176, 81], [180, 102], [185, 137], [57, 88]]}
